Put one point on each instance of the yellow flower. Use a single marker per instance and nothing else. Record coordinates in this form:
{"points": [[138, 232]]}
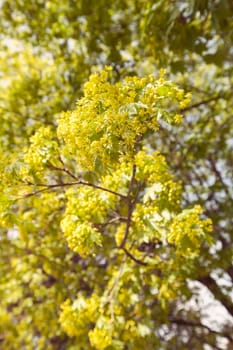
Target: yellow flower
{"points": [[178, 118], [100, 338]]}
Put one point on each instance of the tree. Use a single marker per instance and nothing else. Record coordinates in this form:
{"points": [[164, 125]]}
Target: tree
{"points": [[118, 266]]}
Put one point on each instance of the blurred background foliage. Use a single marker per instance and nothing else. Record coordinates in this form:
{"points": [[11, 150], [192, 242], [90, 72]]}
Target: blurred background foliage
{"points": [[47, 51]]}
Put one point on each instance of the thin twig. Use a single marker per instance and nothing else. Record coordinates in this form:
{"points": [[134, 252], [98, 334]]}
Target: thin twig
{"points": [[67, 171], [80, 182], [109, 222], [130, 207], [201, 103], [181, 322], [140, 262]]}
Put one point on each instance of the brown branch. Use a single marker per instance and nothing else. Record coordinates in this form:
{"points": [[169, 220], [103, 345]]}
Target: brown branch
{"points": [[64, 169], [210, 283], [109, 222], [47, 187], [201, 103], [182, 322], [100, 188], [140, 262], [130, 207], [118, 218], [230, 271]]}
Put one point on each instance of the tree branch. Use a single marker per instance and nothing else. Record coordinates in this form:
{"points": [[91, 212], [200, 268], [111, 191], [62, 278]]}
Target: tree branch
{"points": [[64, 169], [130, 207], [201, 103], [210, 283], [47, 187], [230, 271], [140, 262], [182, 322]]}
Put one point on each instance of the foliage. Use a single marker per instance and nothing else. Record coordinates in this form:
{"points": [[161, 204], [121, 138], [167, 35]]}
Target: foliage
{"points": [[106, 204]]}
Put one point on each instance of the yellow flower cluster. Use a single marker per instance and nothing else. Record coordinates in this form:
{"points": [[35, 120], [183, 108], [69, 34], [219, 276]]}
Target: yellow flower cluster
{"points": [[151, 167], [43, 149], [186, 101], [118, 180], [120, 232], [85, 206], [110, 117], [144, 229], [188, 230], [100, 338], [76, 318], [82, 237]]}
